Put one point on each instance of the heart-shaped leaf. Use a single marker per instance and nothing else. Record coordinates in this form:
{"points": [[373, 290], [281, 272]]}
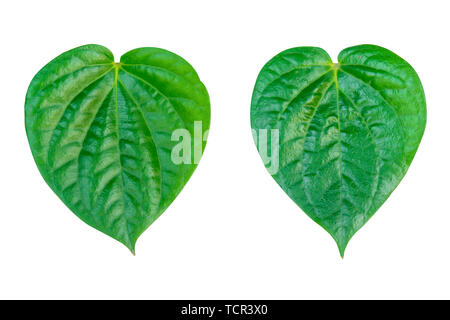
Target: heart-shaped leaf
{"points": [[342, 136], [106, 136]]}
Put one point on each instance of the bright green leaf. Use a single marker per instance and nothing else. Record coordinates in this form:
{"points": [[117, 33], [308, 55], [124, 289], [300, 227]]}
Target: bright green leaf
{"points": [[340, 137], [101, 133]]}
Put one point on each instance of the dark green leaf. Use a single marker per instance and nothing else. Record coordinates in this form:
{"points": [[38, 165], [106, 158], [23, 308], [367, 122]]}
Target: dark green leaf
{"points": [[347, 131], [101, 133]]}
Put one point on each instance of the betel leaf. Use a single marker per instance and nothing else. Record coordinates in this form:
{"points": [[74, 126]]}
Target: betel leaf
{"points": [[101, 133], [338, 138]]}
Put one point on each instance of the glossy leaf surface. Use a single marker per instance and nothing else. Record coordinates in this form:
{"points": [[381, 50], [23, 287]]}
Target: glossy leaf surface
{"points": [[347, 131], [101, 133]]}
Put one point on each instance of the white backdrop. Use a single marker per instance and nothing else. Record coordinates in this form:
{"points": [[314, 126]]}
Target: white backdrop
{"points": [[232, 232]]}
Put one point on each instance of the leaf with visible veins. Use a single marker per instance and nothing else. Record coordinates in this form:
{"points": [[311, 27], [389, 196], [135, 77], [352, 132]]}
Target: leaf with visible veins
{"points": [[100, 133], [347, 131]]}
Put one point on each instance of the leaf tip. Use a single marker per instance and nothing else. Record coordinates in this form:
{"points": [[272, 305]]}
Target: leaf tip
{"points": [[131, 245], [341, 251], [132, 248], [342, 245]]}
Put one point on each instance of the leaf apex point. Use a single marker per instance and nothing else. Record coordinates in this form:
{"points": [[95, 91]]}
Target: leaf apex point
{"points": [[132, 250], [342, 246], [131, 245]]}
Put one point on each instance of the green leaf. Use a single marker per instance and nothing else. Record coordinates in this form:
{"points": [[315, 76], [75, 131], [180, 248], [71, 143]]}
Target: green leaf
{"points": [[340, 136], [101, 133]]}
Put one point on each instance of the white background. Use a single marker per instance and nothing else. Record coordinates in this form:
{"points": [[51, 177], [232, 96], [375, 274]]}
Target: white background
{"points": [[232, 232]]}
